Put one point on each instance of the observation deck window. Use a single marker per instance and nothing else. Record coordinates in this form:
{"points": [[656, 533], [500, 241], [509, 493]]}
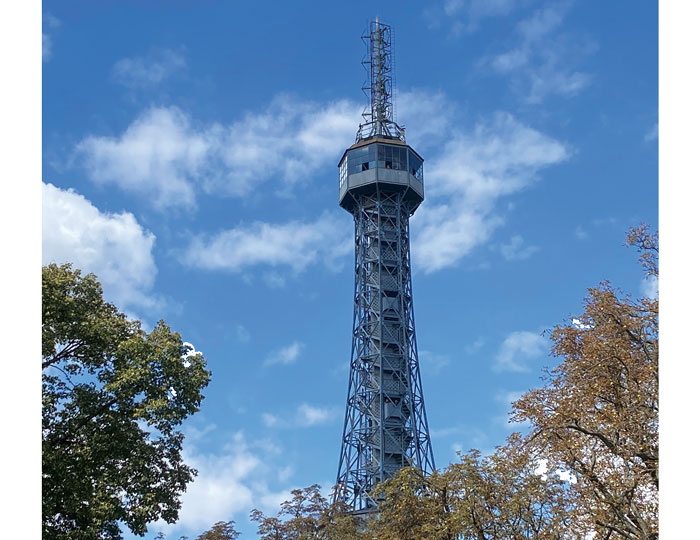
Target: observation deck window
{"points": [[343, 171], [374, 156], [391, 157], [415, 166]]}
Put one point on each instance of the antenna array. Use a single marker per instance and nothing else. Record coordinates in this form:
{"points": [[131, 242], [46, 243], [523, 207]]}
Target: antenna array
{"points": [[379, 62]]}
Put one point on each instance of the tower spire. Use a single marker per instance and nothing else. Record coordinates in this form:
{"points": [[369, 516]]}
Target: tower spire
{"points": [[378, 118]]}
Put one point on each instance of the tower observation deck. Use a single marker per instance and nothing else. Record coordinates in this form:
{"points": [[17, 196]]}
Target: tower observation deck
{"points": [[381, 185]]}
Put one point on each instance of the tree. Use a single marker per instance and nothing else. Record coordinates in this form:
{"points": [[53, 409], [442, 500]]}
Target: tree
{"points": [[222, 530], [113, 398], [597, 414], [308, 516], [501, 496]]}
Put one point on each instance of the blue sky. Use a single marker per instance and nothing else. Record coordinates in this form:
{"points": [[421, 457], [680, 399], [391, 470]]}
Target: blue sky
{"points": [[189, 160]]}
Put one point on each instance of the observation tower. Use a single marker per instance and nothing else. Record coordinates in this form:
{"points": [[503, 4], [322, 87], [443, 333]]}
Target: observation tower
{"points": [[381, 185]]}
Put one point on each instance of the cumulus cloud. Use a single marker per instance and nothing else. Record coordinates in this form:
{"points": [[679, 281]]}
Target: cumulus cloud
{"points": [[50, 23], [293, 244], [305, 415], [158, 156], [167, 156], [427, 115], [115, 247], [468, 177], [235, 479], [466, 15], [517, 348], [516, 250], [540, 63], [433, 362], [269, 420], [285, 355], [309, 415], [147, 71], [475, 345]]}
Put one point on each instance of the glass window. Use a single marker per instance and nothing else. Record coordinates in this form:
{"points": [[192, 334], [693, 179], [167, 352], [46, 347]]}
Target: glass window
{"points": [[343, 171], [415, 166]]}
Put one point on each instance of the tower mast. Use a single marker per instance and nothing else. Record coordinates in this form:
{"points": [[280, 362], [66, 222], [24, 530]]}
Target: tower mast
{"points": [[381, 185]]}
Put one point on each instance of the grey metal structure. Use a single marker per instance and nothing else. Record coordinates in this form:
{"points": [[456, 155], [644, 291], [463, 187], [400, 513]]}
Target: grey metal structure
{"points": [[381, 185]]}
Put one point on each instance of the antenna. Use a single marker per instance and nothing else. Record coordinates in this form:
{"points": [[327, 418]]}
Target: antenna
{"points": [[378, 118]]}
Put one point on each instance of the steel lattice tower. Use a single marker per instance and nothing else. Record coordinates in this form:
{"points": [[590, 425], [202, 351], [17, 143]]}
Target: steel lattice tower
{"points": [[381, 185]]}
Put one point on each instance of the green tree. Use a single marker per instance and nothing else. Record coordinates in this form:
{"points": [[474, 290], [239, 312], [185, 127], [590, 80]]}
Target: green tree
{"points": [[113, 398], [308, 516], [222, 530], [597, 414]]}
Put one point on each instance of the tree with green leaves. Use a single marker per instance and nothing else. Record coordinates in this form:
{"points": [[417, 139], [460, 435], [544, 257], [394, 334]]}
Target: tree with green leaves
{"points": [[308, 516], [222, 530], [113, 399]]}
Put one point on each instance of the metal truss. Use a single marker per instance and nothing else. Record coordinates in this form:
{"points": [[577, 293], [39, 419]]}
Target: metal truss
{"points": [[386, 427], [379, 63]]}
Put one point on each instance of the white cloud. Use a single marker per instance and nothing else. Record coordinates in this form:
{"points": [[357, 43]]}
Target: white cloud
{"points": [[566, 476], [652, 134], [46, 45], [309, 415], [50, 22], [232, 481], [269, 420], [293, 244], [112, 246], [541, 468], [518, 347], [506, 399], [541, 61], [580, 325], [433, 362], [580, 233], [149, 70], [468, 177], [303, 416], [542, 22], [274, 280], [242, 333], [650, 287], [475, 345], [284, 474], [158, 156], [466, 16], [289, 141], [516, 250], [285, 355], [190, 351], [165, 155], [427, 115]]}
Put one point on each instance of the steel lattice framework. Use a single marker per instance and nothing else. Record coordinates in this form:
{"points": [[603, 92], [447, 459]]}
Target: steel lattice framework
{"points": [[386, 426]]}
